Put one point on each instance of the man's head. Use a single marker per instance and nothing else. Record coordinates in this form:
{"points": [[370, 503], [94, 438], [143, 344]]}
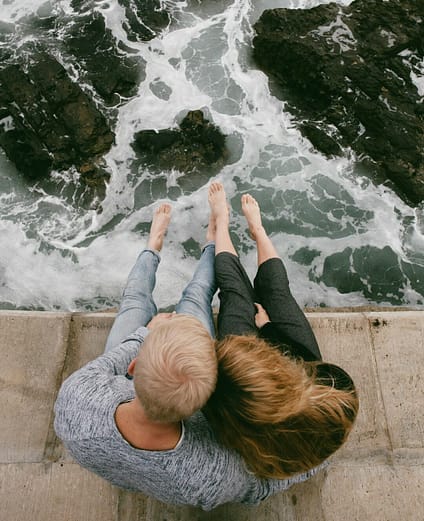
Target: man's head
{"points": [[176, 369]]}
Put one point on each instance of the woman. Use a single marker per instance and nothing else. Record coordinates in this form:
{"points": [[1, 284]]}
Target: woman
{"points": [[276, 403]]}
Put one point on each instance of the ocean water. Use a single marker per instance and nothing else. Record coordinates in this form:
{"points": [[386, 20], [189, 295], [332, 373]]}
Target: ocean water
{"points": [[345, 240]]}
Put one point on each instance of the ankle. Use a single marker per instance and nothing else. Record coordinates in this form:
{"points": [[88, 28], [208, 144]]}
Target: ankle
{"points": [[257, 231], [222, 221], [155, 243]]}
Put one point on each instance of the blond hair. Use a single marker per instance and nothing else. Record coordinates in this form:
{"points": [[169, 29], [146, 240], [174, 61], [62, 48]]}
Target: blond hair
{"points": [[282, 415], [176, 369]]}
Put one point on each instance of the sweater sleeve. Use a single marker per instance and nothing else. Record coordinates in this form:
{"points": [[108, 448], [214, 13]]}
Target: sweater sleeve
{"points": [[84, 397], [117, 360]]}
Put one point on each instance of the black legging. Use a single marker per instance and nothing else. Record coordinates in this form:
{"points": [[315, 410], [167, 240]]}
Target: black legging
{"points": [[288, 329]]}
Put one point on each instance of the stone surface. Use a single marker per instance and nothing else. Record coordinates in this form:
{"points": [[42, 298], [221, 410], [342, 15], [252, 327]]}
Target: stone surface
{"points": [[346, 73], [378, 475], [33, 347], [400, 372], [87, 339], [52, 492], [373, 492], [346, 340]]}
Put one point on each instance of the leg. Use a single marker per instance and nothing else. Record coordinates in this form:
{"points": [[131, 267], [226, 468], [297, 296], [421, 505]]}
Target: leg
{"points": [[273, 292], [197, 297], [264, 246], [272, 286], [137, 305], [219, 214], [237, 310], [237, 301]]}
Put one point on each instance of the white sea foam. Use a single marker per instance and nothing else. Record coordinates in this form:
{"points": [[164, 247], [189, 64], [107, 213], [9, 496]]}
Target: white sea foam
{"points": [[55, 254], [13, 10], [339, 33]]}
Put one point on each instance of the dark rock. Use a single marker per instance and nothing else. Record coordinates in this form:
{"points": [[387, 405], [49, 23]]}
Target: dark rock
{"points": [[85, 41], [94, 177], [23, 147], [110, 71], [198, 145], [152, 142], [47, 120], [145, 19], [327, 144], [345, 71]]}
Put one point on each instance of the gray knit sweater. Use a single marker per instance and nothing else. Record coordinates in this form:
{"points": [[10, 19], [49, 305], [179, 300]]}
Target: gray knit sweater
{"points": [[198, 471]]}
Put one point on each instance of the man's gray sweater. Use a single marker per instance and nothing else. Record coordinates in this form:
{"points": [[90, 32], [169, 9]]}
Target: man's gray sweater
{"points": [[198, 471]]}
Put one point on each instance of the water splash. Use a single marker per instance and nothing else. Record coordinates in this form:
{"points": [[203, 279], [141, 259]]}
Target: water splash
{"points": [[323, 215]]}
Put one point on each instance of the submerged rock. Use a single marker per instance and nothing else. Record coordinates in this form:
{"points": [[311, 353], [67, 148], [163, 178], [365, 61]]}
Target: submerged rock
{"points": [[197, 146], [374, 272], [346, 73], [47, 121]]}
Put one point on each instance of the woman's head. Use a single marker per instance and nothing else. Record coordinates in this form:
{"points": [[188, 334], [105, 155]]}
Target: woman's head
{"points": [[283, 416]]}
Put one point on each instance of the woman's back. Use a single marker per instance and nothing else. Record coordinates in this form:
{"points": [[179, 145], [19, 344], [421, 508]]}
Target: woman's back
{"points": [[284, 416]]}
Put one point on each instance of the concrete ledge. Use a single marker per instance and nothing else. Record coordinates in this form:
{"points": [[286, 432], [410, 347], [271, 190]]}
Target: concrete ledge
{"points": [[50, 492], [33, 347], [376, 476]]}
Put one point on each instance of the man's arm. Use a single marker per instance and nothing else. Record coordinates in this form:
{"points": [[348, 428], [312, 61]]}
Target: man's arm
{"points": [[85, 396], [117, 360]]}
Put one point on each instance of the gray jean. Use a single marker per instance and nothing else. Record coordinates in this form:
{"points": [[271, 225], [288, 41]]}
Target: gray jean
{"points": [[137, 306]]}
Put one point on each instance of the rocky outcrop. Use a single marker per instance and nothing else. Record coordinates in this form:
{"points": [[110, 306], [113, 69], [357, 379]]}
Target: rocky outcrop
{"points": [[144, 20], [346, 73], [198, 145], [112, 73], [47, 121]]}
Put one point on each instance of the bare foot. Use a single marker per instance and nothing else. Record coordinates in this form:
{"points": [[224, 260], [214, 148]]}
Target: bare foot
{"points": [[218, 202], [159, 225], [252, 212]]}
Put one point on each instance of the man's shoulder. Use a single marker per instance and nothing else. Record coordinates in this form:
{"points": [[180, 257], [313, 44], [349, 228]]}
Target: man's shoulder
{"points": [[85, 405], [86, 386]]}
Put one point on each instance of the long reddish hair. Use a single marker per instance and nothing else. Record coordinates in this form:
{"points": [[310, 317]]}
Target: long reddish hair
{"points": [[282, 415]]}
